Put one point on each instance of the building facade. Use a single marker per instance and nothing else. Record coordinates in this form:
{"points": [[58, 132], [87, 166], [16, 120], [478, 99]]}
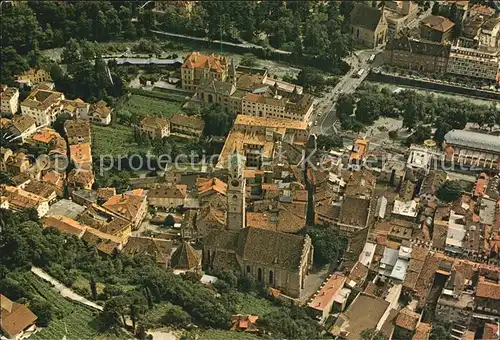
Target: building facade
{"points": [[472, 148], [474, 63], [155, 127], [198, 68], [418, 55], [43, 105], [9, 97], [436, 28]]}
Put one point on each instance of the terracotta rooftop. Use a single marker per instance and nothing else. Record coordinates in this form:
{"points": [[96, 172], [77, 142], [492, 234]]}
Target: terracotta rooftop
{"points": [[488, 289], [327, 293], [184, 257], [211, 184], [169, 190], [159, 249], [187, 121], [80, 153], [407, 319], [80, 177], [127, 206], [14, 317], [154, 122], [42, 189], [438, 23], [214, 62], [20, 198], [64, 224], [42, 99], [100, 109], [422, 332], [270, 122], [45, 135]]}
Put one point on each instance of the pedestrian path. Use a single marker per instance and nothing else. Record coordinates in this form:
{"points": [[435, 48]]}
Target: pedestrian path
{"points": [[63, 290]]}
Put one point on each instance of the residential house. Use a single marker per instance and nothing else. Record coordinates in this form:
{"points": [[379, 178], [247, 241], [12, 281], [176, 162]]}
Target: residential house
{"points": [[155, 127], [34, 76], [189, 126], [436, 28], [129, 206], [474, 63], [77, 131], [81, 156], [75, 108], [167, 196], [42, 189], [419, 55], [21, 127], [80, 179], [487, 296], [106, 222], [9, 97], [18, 163], [99, 113], [104, 194], [280, 260], [322, 302], [406, 324], [368, 25], [16, 320], [160, 250], [244, 323], [198, 67], [43, 106], [20, 200]]}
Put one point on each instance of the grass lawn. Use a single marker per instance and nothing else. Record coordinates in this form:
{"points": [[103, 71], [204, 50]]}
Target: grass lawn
{"points": [[255, 305], [113, 140], [69, 319], [218, 334], [142, 105]]}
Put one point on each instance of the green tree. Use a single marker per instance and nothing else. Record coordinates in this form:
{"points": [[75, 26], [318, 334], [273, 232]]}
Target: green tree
{"points": [[436, 8], [115, 311], [372, 334], [217, 121], [329, 142], [169, 221], [439, 333], [450, 191], [43, 311], [328, 245], [176, 316], [5, 178]]}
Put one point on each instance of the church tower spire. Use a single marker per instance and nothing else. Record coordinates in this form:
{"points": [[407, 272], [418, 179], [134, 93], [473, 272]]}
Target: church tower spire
{"points": [[236, 192]]}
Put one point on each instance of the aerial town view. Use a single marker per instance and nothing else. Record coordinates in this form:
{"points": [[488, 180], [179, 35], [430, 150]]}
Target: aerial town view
{"points": [[250, 169]]}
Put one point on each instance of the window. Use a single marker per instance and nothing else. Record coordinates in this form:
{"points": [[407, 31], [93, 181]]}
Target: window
{"points": [[248, 269], [259, 274], [271, 277]]}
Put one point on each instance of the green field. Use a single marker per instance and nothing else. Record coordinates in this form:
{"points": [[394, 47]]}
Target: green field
{"points": [[113, 140], [254, 305], [217, 334], [69, 319], [142, 106]]}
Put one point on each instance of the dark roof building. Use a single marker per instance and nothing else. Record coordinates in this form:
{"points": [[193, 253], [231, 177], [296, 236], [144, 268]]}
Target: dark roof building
{"points": [[185, 258]]}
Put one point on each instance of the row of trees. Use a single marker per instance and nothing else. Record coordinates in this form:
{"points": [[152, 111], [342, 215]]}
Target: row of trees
{"points": [[28, 27], [306, 27], [417, 110]]}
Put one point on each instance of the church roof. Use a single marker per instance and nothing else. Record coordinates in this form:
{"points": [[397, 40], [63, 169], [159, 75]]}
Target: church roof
{"points": [[184, 257]]}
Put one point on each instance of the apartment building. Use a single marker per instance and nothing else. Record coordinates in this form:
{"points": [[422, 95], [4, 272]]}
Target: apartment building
{"points": [[9, 97], [99, 113], [489, 36], [43, 106], [474, 63], [21, 127], [198, 67], [81, 156], [413, 54], [75, 108], [155, 127]]}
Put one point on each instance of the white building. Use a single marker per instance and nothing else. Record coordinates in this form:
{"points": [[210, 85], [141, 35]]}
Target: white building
{"points": [[43, 105], [489, 36], [473, 63], [472, 148], [419, 158], [10, 99], [406, 210]]}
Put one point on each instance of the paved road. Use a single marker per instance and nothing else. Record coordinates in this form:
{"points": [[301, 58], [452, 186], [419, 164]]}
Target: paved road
{"points": [[325, 116], [63, 290]]}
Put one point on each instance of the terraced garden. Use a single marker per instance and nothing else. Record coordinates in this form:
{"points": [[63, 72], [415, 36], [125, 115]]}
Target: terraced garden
{"points": [[69, 320]]}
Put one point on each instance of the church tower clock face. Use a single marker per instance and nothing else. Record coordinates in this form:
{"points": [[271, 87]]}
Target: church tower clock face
{"points": [[235, 183]]}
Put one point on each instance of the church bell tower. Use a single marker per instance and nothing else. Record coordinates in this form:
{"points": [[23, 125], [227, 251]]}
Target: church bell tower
{"points": [[236, 192]]}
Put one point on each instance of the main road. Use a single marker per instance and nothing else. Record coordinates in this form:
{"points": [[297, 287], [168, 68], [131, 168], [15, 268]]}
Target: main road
{"points": [[324, 117]]}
